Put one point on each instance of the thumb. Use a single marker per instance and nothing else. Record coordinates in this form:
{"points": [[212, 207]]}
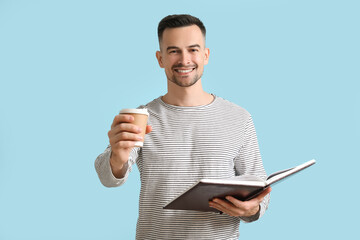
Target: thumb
{"points": [[148, 129], [264, 193]]}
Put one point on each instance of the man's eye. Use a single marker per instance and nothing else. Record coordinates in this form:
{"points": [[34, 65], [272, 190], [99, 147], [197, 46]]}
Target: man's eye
{"points": [[194, 50]]}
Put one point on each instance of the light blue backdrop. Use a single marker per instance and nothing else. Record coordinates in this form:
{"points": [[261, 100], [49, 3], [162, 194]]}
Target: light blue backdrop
{"points": [[67, 67]]}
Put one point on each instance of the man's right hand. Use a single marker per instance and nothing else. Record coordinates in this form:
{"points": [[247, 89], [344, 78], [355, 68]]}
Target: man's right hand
{"points": [[122, 137]]}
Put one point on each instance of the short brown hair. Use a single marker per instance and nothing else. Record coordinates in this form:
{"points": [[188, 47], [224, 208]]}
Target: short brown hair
{"points": [[179, 20]]}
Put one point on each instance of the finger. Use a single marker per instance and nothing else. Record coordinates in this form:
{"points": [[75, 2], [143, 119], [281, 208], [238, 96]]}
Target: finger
{"points": [[221, 208], [242, 206], [235, 201], [225, 204], [247, 208], [230, 208], [216, 206], [124, 127], [122, 118], [253, 202], [148, 129], [125, 136], [263, 194]]}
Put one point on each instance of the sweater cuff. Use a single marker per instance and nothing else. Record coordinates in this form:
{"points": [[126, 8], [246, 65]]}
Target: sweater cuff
{"points": [[103, 168]]}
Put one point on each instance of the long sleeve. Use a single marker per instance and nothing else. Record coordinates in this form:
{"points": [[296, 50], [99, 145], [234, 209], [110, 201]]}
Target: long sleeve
{"points": [[249, 162], [103, 168]]}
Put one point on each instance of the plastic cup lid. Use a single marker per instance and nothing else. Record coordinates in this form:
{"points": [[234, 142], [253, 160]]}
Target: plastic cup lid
{"points": [[135, 111]]}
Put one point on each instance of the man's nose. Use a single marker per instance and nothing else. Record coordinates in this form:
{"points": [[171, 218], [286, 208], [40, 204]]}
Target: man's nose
{"points": [[185, 58]]}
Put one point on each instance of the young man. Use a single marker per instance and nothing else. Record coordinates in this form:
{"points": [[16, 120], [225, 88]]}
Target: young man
{"points": [[191, 135]]}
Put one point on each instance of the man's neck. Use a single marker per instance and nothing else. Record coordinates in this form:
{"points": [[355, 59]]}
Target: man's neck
{"points": [[187, 96]]}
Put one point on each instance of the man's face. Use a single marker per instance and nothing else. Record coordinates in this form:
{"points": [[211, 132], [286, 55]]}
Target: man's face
{"points": [[183, 55]]}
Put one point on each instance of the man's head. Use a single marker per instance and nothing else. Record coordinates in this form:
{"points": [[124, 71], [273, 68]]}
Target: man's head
{"points": [[182, 49]]}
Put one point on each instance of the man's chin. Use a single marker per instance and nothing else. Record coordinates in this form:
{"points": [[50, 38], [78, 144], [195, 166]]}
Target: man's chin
{"points": [[183, 82]]}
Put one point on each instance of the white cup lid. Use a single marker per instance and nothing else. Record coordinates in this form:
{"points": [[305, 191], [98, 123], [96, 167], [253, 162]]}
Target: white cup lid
{"points": [[139, 144], [135, 111]]}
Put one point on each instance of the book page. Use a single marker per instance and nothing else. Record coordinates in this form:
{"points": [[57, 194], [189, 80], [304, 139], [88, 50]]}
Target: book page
{"points": [[285, 173], [247, 178], [277, 173], [238, 180]]}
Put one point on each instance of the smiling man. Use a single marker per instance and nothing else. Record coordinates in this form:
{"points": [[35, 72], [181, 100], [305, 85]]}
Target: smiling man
{"points": [[191, 134], [183, 55]]}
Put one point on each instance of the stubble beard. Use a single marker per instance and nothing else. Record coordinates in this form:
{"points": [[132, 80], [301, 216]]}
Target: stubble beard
{"points": [[180, 80], [181, 83]]}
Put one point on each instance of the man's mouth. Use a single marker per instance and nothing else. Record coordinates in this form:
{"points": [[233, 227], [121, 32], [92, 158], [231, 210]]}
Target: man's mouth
{"points": [[184, 70]]}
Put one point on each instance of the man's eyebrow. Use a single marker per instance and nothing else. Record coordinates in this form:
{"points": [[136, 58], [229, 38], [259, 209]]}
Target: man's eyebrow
{"points": [[191, 46], [171, 47], [194, 46]]}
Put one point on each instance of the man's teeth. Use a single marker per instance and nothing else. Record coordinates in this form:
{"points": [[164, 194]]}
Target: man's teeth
{"points": [[184, 71]]}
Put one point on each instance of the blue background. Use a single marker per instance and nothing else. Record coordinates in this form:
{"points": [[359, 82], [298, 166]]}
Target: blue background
{"points": [[68, 67]]}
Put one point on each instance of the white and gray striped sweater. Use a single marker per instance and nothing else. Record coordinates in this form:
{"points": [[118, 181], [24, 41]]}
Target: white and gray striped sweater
{"points": [[188, 143]]}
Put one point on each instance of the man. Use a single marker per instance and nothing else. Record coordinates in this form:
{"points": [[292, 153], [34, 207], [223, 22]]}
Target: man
{"points": [[191, 135]]}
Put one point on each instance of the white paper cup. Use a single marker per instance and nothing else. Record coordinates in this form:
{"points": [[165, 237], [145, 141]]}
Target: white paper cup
{"points": [[140, 119]]}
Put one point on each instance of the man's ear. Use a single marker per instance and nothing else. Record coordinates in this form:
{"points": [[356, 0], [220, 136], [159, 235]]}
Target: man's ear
{"points": [[206, 57], [159, 58]]}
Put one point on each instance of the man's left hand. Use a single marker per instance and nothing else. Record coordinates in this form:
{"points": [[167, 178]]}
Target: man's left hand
{"points": [[236, 208]]}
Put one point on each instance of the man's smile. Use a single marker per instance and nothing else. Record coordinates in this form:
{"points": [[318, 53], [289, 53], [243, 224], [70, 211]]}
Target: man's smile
{"points": [[184, 70], [181, 69]]}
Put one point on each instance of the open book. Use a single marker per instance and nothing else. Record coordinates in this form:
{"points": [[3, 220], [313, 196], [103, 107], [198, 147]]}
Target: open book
{"points": [[244, 188]]}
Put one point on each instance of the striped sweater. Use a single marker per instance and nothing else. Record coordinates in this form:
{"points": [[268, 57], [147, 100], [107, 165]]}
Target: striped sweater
{"points": [[217, 140]]}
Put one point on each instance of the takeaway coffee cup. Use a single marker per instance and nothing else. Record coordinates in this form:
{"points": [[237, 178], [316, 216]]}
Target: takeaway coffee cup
{"points": [[140, 119]]}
